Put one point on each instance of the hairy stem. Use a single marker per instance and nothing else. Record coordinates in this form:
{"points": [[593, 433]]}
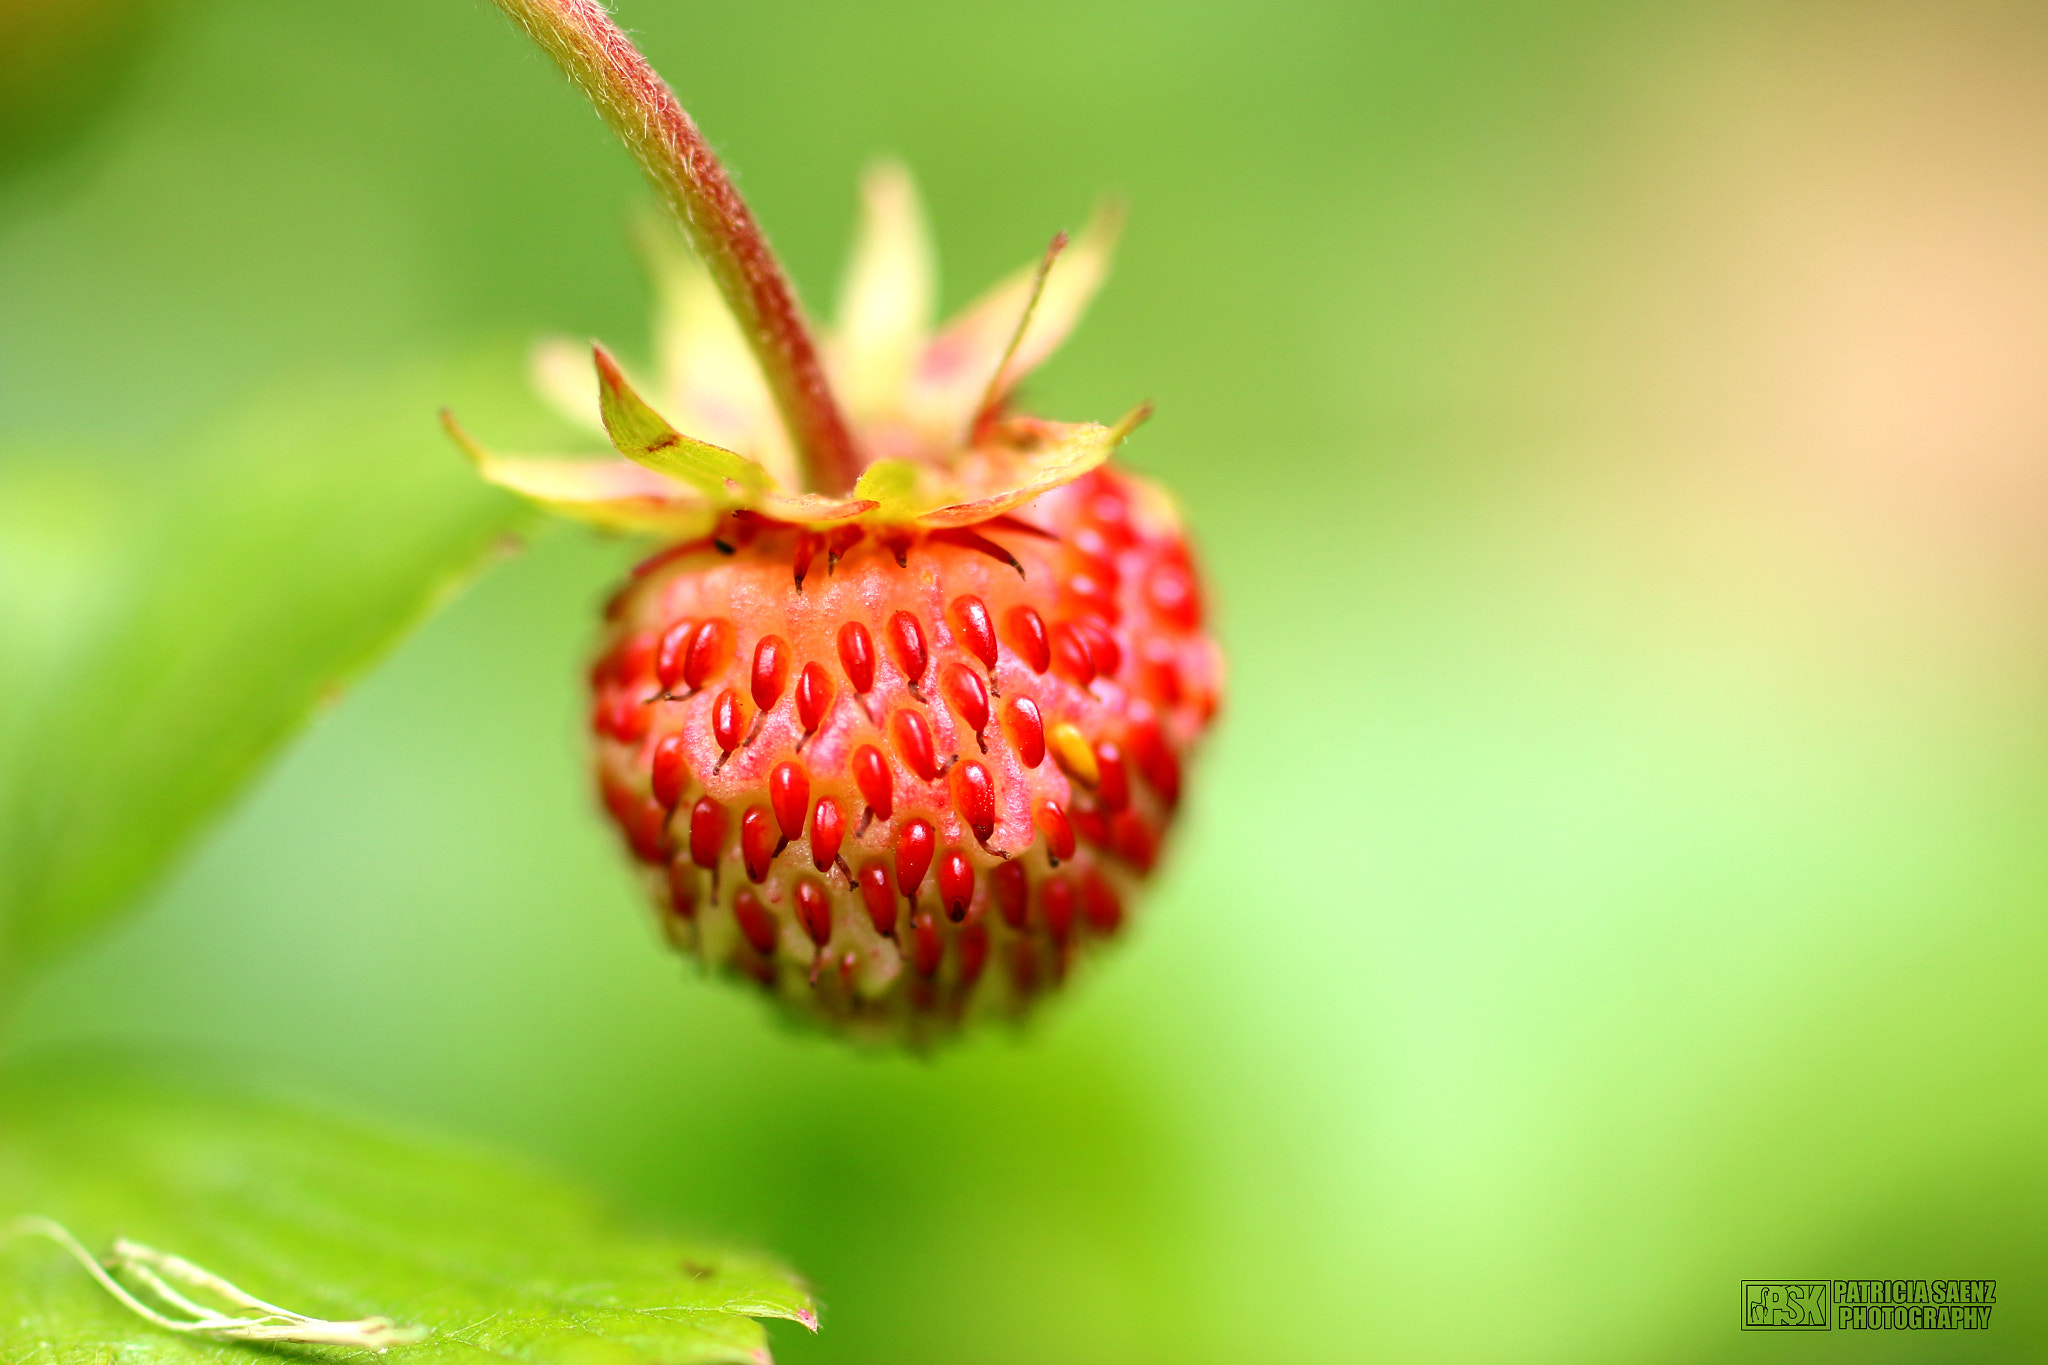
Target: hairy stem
{"points": [[644, 112]]}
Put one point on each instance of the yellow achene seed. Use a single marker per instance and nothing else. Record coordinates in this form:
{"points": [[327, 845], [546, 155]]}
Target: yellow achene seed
{"points": [[1070, 747]]}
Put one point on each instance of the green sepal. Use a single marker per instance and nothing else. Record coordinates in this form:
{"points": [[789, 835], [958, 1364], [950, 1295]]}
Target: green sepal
{"points": [[893, 486], [645, 437]]}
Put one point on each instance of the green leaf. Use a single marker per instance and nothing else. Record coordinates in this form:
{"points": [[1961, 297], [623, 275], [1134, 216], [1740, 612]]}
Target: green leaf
{"points": [[167, 619], [328, 1218]]}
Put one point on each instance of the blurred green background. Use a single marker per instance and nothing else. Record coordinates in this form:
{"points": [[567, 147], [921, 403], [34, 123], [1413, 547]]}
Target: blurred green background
{"points": [[1619, 438]]}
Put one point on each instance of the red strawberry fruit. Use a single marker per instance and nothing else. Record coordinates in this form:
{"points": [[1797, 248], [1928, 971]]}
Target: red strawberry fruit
{"points": [[899, 719]]}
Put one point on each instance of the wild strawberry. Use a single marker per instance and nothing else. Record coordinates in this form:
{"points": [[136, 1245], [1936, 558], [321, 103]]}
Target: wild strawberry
{"points": [[904, 746]]}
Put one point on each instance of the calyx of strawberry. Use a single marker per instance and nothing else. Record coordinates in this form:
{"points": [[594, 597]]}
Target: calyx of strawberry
{"points": [[928, 408]]}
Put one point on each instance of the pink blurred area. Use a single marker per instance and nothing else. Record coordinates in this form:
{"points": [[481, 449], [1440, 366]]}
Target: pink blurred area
{"points": [[1797, 370]]}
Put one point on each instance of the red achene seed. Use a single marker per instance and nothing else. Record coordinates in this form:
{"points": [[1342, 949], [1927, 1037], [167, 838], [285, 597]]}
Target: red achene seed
{"points": [[1027, 731], [1133, 840], [1112, 512], [974, 795], [1028, 638], [618, 799], [669, 656], [1174, 596], [709, 650], [906, 641], [968, 696], [1056, 904], [1162, 672], [650, 831], [914, 742], [771, 671], [622, 717], [1155, 760], [643, 821], [880, 900], [956, 884], [828, 830], [1103, 650], [726, 722], [682, 889], [1101, 905], [1011, 888], [707, 832], [871, 775], [1093, 592], [1113, 786], [976, 630], [1058, 832], [814, 911], [857, 655], [635, 658], [927, 949], [668, 771], [813, 696], [789, 792], [1070, 655], [914, 847], [1024, 966], [757, 842], [1098, 556], [604, 670], [755, 923], [973, 941]]}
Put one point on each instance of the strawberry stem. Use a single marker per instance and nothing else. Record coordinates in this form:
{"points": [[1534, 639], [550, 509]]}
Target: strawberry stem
{"points": [[644, 112]]}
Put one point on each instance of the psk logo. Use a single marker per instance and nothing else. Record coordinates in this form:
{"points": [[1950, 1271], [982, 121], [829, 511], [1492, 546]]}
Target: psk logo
{"points": [[1785, 1305]]}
